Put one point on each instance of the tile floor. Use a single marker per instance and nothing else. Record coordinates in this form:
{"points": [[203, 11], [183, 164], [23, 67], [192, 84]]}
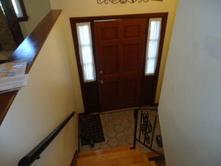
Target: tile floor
{"points": [[118, 128]]}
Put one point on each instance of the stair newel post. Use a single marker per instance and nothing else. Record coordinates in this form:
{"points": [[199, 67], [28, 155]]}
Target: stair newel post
{"points": [[135, 127]]}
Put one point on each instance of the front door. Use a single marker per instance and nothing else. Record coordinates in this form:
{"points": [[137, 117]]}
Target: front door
{"points": [[119, 59], [120, 53]]}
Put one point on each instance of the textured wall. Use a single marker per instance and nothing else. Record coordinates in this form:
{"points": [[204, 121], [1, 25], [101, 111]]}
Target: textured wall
{"points": [[6, 39], [190, 109]]}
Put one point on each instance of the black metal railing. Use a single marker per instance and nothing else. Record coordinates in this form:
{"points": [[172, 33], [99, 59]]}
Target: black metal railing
{"points": [[145, 128], [36, 152]]}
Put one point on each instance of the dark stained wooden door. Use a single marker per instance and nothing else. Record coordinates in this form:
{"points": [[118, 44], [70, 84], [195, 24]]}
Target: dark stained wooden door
{"points": [[120, 51]]}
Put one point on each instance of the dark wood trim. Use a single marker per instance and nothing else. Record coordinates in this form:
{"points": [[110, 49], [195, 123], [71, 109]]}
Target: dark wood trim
{"points": [[12, 21], [91, 19], [34, 41], [35, 153], [74, 160], [25, 16], [80, 72], [74, 20], [76, 47], [146, 98], [22, 19]]}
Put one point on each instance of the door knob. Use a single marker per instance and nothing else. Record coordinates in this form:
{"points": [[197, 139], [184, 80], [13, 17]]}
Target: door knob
{"points": [[101, 72], [102, 82]]}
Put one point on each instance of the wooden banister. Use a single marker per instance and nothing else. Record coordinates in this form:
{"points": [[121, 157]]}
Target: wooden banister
{"points": [[33, 42]]}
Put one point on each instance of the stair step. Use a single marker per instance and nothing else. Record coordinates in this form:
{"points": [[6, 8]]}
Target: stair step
{"points": [[123, 157], [141, 164], [103, 151], [151, 155], [153, 163]]}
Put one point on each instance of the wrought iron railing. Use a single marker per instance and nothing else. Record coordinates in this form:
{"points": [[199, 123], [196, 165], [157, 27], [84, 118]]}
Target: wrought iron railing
{"points": [[146, 121]]}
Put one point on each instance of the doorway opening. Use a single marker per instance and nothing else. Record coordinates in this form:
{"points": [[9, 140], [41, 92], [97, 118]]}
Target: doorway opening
{"points": [[119, 59]]}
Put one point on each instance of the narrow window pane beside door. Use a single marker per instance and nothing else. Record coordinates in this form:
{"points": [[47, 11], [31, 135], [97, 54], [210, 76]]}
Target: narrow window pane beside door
{"points": [[17, 7], [86, 51], [153, 42], [1, 8]]}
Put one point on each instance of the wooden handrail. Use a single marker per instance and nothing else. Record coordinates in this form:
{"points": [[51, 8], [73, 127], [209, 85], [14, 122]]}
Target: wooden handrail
{"points": [[36, 152], [33, 42]]}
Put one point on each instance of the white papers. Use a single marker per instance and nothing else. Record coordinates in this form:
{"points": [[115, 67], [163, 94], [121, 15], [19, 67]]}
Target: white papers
{"points": [[12, 76]]}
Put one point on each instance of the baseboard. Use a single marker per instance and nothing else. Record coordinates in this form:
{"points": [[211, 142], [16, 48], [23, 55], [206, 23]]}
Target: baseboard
{"points": [[74, 160]]}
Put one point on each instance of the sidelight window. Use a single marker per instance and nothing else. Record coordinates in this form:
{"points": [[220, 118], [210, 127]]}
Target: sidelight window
{"points": [[20, 10], [1, 8], [153, 43], [86, 51], [17, 8]]}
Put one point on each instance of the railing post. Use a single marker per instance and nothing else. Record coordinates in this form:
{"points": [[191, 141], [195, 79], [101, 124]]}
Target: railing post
{"points": [[135, 128]]}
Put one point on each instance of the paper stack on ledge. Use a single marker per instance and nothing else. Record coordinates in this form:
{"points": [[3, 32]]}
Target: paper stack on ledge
{"points": [[12, 76]]}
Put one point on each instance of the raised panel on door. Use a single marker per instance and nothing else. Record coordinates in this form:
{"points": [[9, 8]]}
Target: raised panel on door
{"points": [[130, 57], [129, 92], [107, 31], [109, 59], [133, 48], [110, 97], [133, 28]]}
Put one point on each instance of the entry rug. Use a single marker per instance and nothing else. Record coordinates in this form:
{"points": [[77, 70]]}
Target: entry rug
{"points": [[91, 130]]}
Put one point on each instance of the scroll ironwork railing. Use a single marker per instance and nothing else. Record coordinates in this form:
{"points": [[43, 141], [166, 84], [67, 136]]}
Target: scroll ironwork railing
{"points": [[145, 126]]}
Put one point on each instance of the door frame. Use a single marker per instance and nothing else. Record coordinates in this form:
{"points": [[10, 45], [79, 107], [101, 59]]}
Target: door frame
{"points": [[74, 20], [13, 22]]}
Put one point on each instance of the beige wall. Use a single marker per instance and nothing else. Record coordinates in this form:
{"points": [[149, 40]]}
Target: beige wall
{"points": [[80, 8], [190, 109], [36, 10], [41, 106]]}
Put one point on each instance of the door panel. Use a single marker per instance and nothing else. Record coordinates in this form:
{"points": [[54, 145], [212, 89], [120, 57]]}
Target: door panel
{"points": [[111, 91], [110, 33], [109, 63], [129, 92], [130, 56], [120, 55], [133, 28]]}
